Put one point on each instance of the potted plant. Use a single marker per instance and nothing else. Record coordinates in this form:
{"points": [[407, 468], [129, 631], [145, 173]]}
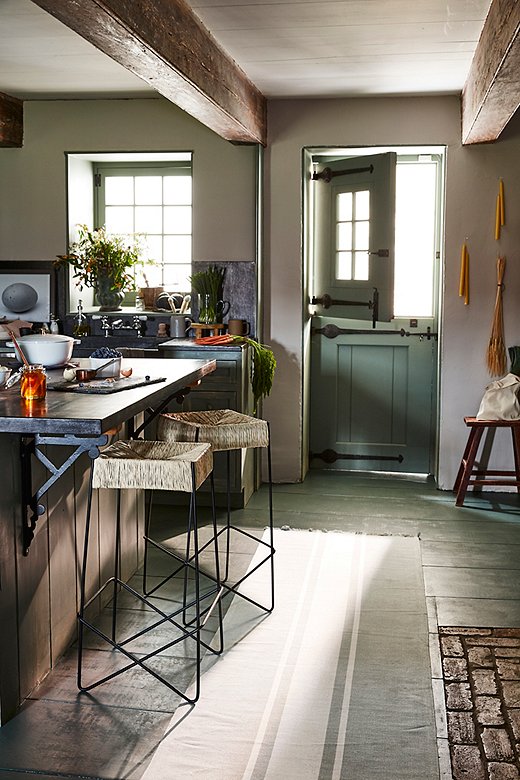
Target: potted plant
{"points": [[105, 263]]}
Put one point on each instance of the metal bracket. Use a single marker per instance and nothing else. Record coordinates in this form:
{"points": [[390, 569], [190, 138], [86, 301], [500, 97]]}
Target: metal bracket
{"points": [[31, 507], [327, 174], [151, 414], [331, 331], [331, 456], [326, 301]]}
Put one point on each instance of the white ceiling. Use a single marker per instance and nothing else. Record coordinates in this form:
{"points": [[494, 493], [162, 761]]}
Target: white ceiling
{"points": [[288, 48]]}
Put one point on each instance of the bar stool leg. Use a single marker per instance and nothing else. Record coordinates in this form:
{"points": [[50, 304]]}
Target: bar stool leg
{"points": [[83, 579], [194, 522], [117, 564], [515, 432], [271, 528], [468, 461], [205, 613], [228, 514], [147, 523], [217, 567]]}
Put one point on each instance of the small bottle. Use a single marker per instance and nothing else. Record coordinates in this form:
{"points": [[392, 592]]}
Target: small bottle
{"points": [[54, 325], [81, 326], [33, 383]]}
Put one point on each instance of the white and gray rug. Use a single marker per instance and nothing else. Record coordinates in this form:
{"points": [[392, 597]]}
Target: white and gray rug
{"points": [[334, 684]]}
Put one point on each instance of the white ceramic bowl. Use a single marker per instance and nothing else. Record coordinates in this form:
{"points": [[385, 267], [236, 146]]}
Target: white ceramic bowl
{"points": [[114, 369], [5, 373], [49, 349]]}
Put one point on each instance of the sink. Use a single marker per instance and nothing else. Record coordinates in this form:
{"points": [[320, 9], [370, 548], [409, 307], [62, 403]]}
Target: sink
{"points": [[90, 343]]}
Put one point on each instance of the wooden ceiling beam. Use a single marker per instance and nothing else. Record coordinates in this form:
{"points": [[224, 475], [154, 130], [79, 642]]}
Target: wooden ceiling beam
{"points": [[11, 121], [166, 44], [491, 94]]}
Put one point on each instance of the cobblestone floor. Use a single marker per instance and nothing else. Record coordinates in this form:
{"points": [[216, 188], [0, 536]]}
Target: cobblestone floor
{"points": [[481, 669]]}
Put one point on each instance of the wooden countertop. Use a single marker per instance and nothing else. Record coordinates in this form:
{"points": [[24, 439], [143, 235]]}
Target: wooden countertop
{"points": [[81, 414]]}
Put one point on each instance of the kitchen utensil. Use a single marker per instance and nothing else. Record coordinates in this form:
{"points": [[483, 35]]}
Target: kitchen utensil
{"points": [[19, 351], [238, 327], [105, 372], [185, 304], [86, 374], [179, 326], [49, 349], [13, 379], [5, 373]]}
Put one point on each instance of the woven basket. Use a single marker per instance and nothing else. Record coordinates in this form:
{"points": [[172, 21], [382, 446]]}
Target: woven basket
{"points": [[149, 295]]}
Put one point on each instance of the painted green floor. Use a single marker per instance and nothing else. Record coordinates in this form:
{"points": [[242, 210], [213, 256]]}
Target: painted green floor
{"points": [[470, 566]]}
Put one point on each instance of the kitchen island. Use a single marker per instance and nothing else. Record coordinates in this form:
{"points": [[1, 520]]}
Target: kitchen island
{"points": [[45, 452]]}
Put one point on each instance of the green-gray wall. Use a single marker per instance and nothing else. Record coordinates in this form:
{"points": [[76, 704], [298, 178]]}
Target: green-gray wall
{"points": [[471, 187], [33, 223]]}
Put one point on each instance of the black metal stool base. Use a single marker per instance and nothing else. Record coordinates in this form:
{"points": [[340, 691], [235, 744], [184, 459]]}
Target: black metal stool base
{"points": [[176, 619]]}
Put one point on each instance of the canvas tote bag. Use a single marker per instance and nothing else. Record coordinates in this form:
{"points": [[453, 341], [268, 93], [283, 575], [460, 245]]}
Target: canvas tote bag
{"points": [[501, 400]]}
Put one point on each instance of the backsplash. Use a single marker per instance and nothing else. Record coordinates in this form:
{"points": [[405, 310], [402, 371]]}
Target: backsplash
{"points": [[239, 289]]}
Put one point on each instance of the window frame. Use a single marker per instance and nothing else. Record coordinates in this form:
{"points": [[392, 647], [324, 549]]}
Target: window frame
{"points": [[102, 169]]}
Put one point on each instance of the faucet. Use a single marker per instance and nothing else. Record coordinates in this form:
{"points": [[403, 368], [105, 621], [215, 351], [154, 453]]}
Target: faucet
{"points": [[135, 324]]}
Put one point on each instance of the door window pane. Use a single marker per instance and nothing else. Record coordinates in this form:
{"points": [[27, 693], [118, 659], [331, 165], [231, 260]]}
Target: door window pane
{"points": [[363, 204], [362, 235], [344, 265], [352, 232], [344, 206], [415, 248], [361, 266], [344, 236]]}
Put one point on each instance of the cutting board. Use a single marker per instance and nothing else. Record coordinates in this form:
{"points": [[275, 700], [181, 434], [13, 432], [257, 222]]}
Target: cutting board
{"points": [[104, 386]]}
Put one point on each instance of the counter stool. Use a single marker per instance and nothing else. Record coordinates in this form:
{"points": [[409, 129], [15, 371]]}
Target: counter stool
{"points": [[226, 430], [152, 465], [467, 475]]}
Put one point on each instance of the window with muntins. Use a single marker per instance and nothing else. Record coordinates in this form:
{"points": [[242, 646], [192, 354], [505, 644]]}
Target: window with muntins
{"points": [[155, 201]]}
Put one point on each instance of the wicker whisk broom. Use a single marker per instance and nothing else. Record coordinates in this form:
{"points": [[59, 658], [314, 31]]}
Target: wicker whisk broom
{"points": [[496, 352]]}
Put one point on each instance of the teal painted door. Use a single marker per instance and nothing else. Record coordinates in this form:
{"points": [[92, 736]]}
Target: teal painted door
{"points": [[373, 390], [354, 251], [372, 399]]}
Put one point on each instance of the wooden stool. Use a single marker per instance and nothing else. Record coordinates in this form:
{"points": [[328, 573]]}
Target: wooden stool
{"points": [[468, 476], [152, 465]]}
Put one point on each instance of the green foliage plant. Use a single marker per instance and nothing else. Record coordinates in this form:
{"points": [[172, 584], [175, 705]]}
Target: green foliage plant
{"points": [[95, 254], [264, 365]]}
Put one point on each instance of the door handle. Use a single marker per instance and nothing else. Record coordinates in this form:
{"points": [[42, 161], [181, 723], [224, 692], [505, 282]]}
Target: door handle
{"points": [[381, 253]]}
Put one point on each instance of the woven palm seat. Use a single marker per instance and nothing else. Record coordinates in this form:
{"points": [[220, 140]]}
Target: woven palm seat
{"points": [[152, 465], [155, 465], [226, 430]]}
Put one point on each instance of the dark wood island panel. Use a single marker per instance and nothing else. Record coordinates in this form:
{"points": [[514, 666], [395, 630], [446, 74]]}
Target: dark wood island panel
{"points": [[39, 590]]}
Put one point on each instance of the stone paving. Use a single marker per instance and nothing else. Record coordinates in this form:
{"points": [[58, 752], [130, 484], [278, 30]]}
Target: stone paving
{"points": [[481, 670]]}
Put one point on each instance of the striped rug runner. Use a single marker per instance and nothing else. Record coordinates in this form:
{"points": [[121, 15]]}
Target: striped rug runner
{"points": [[334, 684]]}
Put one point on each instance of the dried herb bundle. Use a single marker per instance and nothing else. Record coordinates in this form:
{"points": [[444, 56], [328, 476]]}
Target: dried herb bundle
{"points": [[496, 352]]}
